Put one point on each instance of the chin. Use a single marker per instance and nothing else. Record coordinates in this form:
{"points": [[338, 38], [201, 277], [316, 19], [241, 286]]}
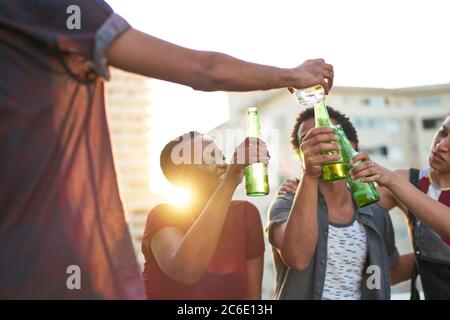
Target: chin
{"points": [[439, 167], [214, 183]]}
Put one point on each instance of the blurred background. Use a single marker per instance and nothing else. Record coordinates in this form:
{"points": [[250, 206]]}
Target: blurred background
{"points": [[391, 78]]}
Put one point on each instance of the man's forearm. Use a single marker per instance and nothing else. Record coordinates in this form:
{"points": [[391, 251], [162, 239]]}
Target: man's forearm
{"points": [[230, 74], [141, 53], [402, 271], [300, 236]]}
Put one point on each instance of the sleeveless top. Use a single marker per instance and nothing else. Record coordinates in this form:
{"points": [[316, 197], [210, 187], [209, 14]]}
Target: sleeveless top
{"points": [[431, 250]]}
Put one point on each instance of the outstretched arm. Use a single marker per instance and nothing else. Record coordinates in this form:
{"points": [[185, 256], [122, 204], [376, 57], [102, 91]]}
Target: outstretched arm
{"points": [[144, 54], [431, 212]]}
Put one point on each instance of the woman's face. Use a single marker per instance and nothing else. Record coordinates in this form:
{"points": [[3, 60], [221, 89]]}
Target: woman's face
{"points": [[439, 158]]}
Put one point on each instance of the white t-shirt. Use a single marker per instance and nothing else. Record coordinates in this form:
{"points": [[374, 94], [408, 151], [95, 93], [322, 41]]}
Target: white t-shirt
{"points": [[346, 257]]}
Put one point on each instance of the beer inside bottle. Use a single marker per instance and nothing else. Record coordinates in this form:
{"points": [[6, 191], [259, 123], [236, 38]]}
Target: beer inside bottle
{"points": [[363, 193], [256, 177], [331, 171]]}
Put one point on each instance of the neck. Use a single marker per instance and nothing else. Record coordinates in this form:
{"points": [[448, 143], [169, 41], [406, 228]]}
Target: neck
{"points": [[336, 194], [201, 198], [442, 180]]}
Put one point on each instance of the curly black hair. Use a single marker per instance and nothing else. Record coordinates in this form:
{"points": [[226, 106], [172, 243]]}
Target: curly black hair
{"points": [[341, 118]]}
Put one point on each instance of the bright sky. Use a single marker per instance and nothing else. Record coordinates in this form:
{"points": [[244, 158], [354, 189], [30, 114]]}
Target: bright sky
{"points": [[387, 43], [383, 43]]}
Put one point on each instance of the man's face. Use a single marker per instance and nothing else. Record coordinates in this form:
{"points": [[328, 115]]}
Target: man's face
{"points": [[207, 174], [439, 158], [308, 125]]}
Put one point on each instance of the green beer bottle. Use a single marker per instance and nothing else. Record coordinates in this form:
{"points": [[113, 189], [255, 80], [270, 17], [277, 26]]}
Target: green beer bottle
{"points": [[331, 171], [363, 193], [256, 177]]}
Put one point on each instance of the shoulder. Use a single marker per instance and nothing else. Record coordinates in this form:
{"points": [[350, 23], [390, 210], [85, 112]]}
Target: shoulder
{"points": [[380, 217], [282, 202], [161, 216], [403, 172], [160, 211], [165, 215], [243, 205], [245, 209]]}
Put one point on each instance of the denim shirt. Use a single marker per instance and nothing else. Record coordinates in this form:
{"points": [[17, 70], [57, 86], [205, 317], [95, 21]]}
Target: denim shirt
{"points": [[307, 284], [432, 253]]}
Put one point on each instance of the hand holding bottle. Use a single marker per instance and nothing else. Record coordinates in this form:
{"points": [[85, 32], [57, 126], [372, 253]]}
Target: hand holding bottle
{"points": [[315, 142], [313, 72], [251, 150], [367, 170]]}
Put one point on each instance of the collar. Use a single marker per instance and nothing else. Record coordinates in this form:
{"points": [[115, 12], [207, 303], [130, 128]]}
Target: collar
{"points": [[365, 210]]}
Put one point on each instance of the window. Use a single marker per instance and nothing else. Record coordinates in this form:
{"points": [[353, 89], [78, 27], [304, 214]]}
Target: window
{"points": [[377, 152], [427, 101], [431, 124], [396, 154], [375, 101], [358, 122], [366, 101]]}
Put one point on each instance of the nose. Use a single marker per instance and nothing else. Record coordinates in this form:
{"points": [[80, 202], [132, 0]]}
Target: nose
{"points": [[222, 166], [443, 145]]}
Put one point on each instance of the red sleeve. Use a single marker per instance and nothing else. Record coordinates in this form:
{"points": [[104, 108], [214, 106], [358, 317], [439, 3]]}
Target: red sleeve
{"points": [[254, 232], [160, 217]]}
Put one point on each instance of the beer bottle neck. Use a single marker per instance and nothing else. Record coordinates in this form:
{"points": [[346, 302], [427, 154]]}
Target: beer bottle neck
{"points": [[347, 149], [253, 127], [321, 115]]}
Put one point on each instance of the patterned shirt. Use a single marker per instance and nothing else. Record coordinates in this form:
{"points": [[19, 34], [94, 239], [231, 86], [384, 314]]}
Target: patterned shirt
{"points": [[346, 256], [307, 284]]}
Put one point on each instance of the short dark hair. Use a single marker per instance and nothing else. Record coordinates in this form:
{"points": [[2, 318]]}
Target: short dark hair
{"points": [[168, 167], [341, 118]]}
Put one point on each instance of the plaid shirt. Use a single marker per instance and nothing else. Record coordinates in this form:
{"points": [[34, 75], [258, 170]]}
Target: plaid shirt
{"points": [[59, 198]]}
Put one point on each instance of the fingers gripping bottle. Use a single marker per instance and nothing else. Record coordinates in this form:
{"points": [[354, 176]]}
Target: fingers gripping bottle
{"points": [[363, 193]]}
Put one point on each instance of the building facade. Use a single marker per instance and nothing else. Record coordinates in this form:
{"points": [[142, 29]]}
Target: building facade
{"points": [[129, 108]]}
